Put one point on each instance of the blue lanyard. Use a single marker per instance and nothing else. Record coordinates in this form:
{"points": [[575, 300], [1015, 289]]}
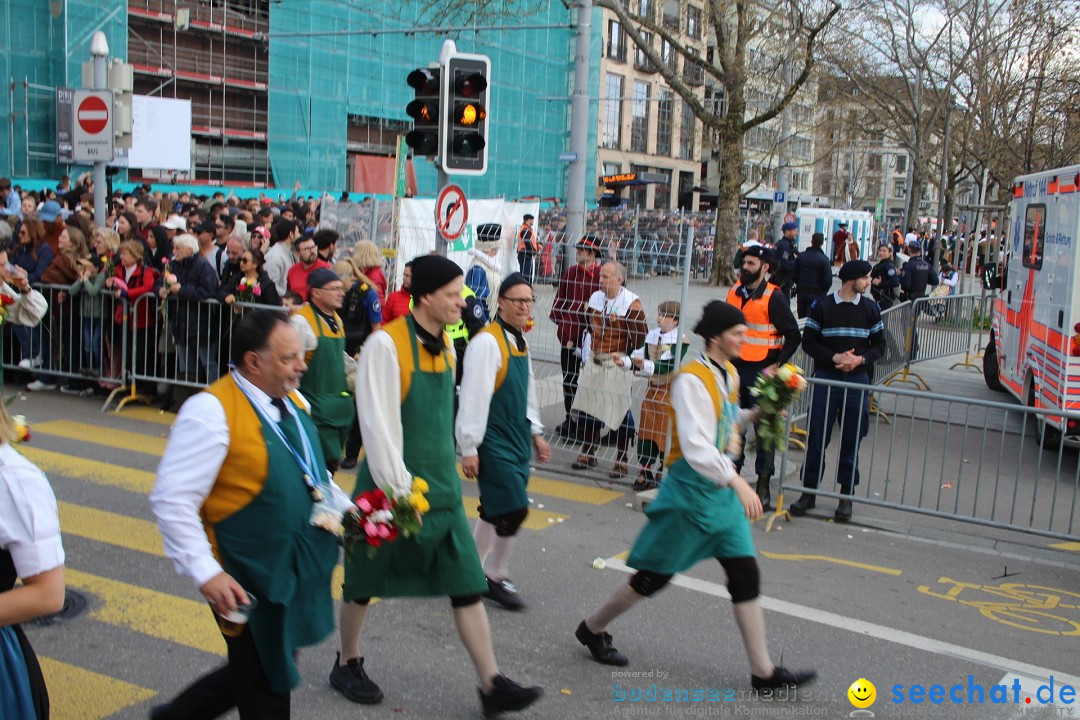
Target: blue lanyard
{"points": [[306, 463]]}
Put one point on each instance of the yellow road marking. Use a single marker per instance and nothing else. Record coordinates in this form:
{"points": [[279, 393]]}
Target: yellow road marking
{"points": [[147, 414], [837, 561], [537, 519], [100, 435], [99, 473], [571, 491], [1071, 546], [78, 693], [150, 612], [112, 528]]}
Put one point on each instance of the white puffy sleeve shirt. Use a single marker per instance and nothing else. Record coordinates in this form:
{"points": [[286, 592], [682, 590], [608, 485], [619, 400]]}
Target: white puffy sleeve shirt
{"points": [[477, 389], [697, 425], [29, 526]]}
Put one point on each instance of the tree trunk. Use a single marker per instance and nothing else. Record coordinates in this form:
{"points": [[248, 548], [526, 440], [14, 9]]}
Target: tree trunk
{"points": [[726, 242]]}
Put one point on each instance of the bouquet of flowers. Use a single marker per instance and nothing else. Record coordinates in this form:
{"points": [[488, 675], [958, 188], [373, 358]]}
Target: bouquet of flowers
{"points": [[6, 301], [22, 428], [168, 279], [248, 290], [376, 518], [775, 391]]}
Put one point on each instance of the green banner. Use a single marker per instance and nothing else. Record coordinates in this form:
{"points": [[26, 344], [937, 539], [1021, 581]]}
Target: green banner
{"points": [[402, 156], [465, 242]]}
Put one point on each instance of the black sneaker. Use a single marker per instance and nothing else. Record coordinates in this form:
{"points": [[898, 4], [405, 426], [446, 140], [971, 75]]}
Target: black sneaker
{"points": [[505, 593], [507, 696], [599, 645], [348, 463], [782, 677], [843, 512], [353, 682]]}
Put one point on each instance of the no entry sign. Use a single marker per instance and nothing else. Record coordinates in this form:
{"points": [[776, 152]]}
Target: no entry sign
{"points": [[92, 136]]}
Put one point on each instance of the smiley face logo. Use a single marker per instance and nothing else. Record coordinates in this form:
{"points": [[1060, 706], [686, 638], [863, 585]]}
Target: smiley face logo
{"points": [[862, 693]]}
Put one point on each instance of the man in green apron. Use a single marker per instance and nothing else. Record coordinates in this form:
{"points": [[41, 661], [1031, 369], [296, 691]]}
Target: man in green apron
{"points": [[704, 508], [497, 427], [234, 497], [406, 378], [322, 336]]}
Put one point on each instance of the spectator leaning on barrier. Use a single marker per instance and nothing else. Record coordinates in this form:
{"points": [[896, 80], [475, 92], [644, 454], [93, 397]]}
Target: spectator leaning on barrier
{"points": [[56, 349], [844, 335], [322, 338], [482, 275], [772, 337], [191, 280], [813, 274], [576, 286], [92, 275], [251, 270], [617, 326], [131, 281]]}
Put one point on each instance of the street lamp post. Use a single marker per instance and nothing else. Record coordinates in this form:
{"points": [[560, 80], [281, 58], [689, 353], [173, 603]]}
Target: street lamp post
{"points": [[99, 51]]}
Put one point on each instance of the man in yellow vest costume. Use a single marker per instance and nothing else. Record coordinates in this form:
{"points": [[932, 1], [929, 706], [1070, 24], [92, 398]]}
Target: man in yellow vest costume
{"points": [[234, 500], [772, 336], [406, 379], [704, 508]]}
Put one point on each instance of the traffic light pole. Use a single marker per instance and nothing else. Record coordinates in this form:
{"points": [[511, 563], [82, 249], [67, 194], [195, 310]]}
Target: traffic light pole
{"points": [[579, 135], [444, 180]]}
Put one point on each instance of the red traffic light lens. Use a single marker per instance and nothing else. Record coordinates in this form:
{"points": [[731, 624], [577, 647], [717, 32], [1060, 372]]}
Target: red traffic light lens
{"points": [[470, 86], [425, 82]]}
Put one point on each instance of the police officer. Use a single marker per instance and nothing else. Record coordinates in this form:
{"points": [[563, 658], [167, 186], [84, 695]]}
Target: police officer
{"points": [[916, 274], [771, 339], [784, 256], [883, 278], [813, 274]]}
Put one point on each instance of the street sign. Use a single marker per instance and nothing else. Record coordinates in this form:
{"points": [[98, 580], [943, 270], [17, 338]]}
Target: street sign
{"points": [[789, 218], [568, 157], [779, 196], [92, 131], [451, 212], [65, 118]]}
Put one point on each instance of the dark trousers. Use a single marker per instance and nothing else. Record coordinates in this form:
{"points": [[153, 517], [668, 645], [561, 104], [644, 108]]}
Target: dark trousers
{"points": [[526, 261], [354, 442], [829, 406], [240, 684], [571, 367], [804, 300], [748, 373]]}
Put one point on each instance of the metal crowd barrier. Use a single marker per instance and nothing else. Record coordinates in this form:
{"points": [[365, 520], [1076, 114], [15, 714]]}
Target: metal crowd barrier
{"points": [[75, 344], [936, 328], [977, 461]]}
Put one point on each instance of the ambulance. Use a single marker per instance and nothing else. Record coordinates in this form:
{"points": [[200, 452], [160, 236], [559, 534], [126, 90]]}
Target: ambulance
{"points": [[1034, 348]]}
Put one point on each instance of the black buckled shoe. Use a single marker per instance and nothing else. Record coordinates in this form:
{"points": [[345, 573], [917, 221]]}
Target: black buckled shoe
{"points": [[599, 645], [804, 503], [505, 593], [352, 681], [782, 677], [843, 512], [763, 492], [507, 696], [348, 463]]}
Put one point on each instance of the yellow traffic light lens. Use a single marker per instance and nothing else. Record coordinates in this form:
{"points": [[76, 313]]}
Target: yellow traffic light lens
{"points": [[468, 115]]}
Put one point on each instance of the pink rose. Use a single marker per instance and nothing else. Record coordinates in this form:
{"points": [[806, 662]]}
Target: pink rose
{"points": [[364, 505]]}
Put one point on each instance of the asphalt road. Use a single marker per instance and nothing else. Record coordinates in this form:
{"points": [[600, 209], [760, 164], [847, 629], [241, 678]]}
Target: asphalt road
{"points": [[894, 598]]}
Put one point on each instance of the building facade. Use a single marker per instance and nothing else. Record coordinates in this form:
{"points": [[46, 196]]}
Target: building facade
{"points": [[649, 153]]}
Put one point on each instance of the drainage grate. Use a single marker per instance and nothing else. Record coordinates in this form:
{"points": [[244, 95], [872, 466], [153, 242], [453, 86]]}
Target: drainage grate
{"points": [[74, 605]]}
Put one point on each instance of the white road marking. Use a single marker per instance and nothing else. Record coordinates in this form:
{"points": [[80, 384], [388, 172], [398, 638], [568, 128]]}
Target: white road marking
{"points": [[1033, 673]]}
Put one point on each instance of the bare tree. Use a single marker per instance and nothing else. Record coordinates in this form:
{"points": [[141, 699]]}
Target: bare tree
{"points": [[783, 39]]}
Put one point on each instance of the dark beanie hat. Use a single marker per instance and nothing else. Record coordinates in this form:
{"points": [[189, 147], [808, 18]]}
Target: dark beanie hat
{"points": [[431, 272], [321, 277], [511, 280], [853, 269], [717, 318]]}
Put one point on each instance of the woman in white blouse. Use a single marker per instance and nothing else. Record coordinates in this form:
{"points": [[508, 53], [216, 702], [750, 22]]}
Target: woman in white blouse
{"points": [[30, 549]]}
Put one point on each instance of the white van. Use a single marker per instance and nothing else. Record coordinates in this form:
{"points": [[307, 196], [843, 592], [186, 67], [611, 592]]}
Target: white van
{"points": [[827, 221], [1032, 353]]}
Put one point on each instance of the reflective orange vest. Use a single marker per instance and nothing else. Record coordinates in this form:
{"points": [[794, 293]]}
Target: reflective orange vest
{"points": [[762, 337], [527, 234]]}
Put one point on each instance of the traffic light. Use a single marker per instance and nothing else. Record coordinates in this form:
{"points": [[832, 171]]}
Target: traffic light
{"points": [[425, 110], [463, 141]]}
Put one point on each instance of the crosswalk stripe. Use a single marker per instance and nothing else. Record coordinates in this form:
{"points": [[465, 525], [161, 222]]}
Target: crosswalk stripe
{"points": [[155, 445], [101, 435], [99, 473], [147, 414], [75, 692], [150, 612], [109, 527]]}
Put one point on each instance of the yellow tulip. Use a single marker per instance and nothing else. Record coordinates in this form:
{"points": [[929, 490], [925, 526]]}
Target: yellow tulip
{"points": [[420, 485]]}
